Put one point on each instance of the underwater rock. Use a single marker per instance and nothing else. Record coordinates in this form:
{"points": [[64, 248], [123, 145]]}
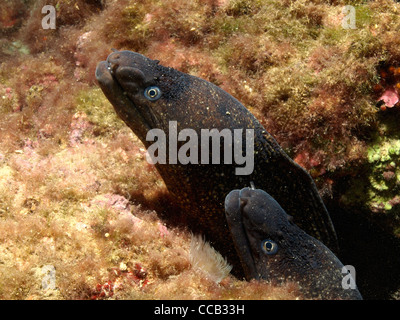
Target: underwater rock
{"points": [[80, 55], [79, 126]]}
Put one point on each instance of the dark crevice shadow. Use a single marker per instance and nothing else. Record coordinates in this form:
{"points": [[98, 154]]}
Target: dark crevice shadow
{"points": [[373, 251], [165, 206]]}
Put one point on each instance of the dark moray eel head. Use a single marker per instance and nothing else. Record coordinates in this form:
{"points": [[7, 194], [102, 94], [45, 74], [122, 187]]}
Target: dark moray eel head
{"points": [[257, 223], [272, 247], [138, 88], [147, 95], [119, 75]]}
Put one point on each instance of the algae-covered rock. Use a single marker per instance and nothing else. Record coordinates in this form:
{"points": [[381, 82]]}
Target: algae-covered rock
{"points": [[385, 178], [311, 82], [98, 110], [378, 190]]}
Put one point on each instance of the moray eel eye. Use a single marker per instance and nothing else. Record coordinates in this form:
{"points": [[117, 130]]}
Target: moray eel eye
{"points": [[152, 93], [269, 246]]}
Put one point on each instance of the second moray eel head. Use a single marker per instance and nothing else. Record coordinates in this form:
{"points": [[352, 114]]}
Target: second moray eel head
{"points": [[272, 247]]}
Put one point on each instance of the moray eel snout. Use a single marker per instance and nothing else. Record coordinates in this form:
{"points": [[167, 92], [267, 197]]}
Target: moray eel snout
{"points": [[255, 220], [272, 247], [122, 79], [126, 68]]}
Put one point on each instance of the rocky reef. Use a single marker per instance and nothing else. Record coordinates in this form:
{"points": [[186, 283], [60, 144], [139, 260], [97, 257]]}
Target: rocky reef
{"points": [[76, 191]]}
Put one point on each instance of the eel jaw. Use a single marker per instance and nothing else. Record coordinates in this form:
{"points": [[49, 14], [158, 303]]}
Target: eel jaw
{"points": [[123, 106], [239, 235]]}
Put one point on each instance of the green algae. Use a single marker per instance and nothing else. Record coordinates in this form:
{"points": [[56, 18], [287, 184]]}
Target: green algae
{"points": [[98, 110], [377, 189], [384, 151], [15, 47], [34, 95], [385, 177], [243, 7]]}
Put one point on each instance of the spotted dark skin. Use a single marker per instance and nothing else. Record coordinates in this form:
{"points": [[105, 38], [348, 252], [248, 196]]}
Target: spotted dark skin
{"points": [[200, 189], [272, 247]]}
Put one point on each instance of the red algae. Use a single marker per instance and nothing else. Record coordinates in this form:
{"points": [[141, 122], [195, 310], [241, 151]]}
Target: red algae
{"points": [[388, 89]]}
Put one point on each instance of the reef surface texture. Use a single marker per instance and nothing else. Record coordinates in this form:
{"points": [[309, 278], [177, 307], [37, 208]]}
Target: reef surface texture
{"points": [[80, 204]]}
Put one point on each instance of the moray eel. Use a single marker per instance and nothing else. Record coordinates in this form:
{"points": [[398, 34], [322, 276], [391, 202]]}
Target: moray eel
{"points": [[272, 247], [147, 95]]}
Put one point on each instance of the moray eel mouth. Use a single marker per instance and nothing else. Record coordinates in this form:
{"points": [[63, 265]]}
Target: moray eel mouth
{"points": [[122, 77], [234, 203]]}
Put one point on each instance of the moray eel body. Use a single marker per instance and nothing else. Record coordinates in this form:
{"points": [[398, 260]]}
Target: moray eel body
{"points": [[147, 95], [272, 247]]}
